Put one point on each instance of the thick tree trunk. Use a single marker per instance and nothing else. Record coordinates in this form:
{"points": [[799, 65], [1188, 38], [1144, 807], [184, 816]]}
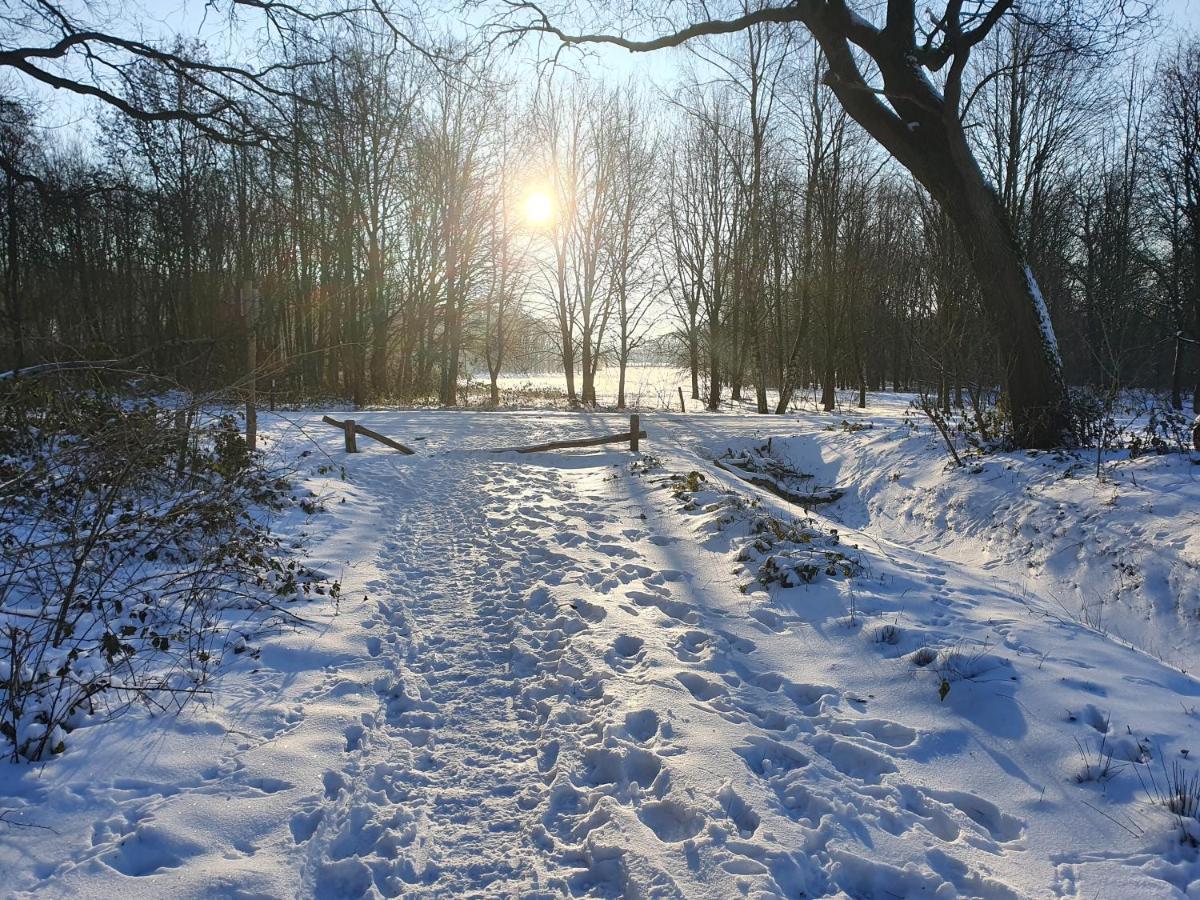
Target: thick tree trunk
{"points": [[568, 359], [923, 131], [714, 367], [1018, 315], [447, 389], [585, 362], [760, 378]]}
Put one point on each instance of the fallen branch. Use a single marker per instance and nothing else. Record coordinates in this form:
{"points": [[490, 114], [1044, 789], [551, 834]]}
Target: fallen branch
{"points": [[75, 365], [939, 422], [69, 366], [578, 442], [830, 495], [374, 435]]}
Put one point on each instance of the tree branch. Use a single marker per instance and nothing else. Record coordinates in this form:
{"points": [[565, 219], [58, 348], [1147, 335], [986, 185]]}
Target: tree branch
{"points": [[796, 12]]}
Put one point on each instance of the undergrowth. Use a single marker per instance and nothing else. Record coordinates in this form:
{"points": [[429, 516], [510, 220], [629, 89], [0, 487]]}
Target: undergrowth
{"points": [[134, 559]]}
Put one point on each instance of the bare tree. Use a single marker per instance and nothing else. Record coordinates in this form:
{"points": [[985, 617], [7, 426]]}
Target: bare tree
{"points": [[1177, 203], [686, 250], [920, 124], [459, 147], [70, 45], [508, 271], [633, 233]]}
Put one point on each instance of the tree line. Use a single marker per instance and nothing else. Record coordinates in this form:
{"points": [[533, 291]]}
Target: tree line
{"points": [[364, 219]]}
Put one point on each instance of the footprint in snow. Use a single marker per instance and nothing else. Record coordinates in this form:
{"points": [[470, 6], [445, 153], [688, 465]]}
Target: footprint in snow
{"points": [[627, 647], [769, 619], [740, 644], [642, 725], [744, 818], [671, 821], [854, 760], [701, 688], [605, 766], [1000, 826], [691, 645], [767, 719], [893, 734]]}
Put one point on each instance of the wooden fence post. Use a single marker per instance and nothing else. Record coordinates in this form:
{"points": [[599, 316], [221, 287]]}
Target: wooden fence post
{"points": [[351, 442], [682, 405], [635, 426]]}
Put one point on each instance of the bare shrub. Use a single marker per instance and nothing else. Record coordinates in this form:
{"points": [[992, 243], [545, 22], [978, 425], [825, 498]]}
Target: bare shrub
{"points": [[134, 558]]}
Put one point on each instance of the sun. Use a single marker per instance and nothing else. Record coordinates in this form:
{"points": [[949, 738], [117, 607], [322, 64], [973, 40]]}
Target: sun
{"points": [[539, 208]]}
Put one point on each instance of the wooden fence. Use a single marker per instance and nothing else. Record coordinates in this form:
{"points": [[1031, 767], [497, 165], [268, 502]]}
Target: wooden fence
{"points": [[352, 429]]}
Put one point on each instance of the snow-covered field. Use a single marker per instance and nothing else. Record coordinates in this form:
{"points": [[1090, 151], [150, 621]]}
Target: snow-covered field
{"points": [[647, 387], [561, 674]]}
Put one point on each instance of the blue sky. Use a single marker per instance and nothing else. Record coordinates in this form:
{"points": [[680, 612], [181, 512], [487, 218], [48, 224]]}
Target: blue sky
{"points": [[156, 19]]}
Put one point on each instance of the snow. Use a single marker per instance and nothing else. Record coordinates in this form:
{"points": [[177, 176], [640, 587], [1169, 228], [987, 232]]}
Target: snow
{"points": [[1043, 314], [654, 387], [560, 674]]}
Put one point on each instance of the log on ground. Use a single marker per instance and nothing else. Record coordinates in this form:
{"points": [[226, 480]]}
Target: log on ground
{"points": [[563, 445], [815, 498]]}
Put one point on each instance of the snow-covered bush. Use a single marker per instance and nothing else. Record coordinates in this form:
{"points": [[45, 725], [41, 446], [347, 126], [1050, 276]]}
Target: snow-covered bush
{"points": [[796, 552], [1166, 430], [133, 558]]}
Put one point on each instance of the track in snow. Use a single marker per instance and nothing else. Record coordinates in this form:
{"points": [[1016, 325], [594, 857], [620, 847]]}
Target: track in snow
{"points": [[548, 685], [447, 785], [560, 686]]}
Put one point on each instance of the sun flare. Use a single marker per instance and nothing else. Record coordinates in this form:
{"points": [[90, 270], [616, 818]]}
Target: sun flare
{"points": [[539, 208]]}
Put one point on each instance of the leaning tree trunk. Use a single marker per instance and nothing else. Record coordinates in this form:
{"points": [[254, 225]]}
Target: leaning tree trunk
{"points": [[1017, 313], [922, 129]]}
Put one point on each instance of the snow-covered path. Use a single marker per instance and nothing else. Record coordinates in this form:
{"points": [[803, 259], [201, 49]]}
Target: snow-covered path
{"points": [[560, 683], [475, 652], [448, 749], [493, 741]]}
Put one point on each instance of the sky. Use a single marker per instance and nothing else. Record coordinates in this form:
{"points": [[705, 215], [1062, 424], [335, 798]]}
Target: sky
{"points": [[159, 19]]}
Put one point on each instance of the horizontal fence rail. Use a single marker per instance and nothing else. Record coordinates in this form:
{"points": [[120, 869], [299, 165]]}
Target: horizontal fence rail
{"points": [[632, 435], [352, 428]]}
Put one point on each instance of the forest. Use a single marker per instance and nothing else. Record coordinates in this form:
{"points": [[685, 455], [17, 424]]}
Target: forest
{"points": [[374, 195]]}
